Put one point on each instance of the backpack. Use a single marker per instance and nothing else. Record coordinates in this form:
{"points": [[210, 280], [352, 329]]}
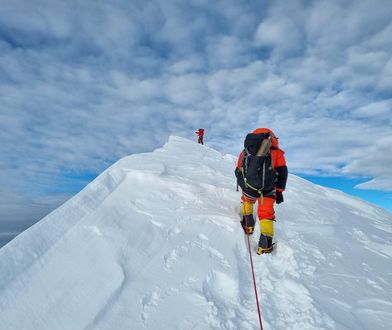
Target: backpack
{"points": [[257, 170]]}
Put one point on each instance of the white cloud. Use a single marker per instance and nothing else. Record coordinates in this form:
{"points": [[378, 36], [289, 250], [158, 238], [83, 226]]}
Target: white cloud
{"points": [[375, 162], [377, 110], [186, 90], [84, 83], [385, 82], [380, 183], [280, 33]]}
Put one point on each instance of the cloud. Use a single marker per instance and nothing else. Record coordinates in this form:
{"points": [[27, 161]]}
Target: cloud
{"points": [[281, 33], [374, 162], [20, 212], [85, 83], [381, 109]]}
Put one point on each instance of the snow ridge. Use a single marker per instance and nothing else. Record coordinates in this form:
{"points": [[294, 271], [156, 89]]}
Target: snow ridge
{"points": [[155, 243]]}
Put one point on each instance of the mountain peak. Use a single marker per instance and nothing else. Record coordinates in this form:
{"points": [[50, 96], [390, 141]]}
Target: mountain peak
{"points": [[155, 242]]}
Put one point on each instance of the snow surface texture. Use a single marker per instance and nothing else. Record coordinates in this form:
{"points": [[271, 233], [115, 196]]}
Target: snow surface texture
{"points": [[155, 243]]}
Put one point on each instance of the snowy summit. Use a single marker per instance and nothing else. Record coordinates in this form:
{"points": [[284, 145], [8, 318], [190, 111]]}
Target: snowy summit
{"points": [[155, 242]]}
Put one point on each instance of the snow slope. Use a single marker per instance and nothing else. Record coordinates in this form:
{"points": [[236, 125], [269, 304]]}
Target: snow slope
{"points": [[155, 243]]}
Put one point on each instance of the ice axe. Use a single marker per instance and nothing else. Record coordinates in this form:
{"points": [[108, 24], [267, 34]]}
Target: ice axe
{"points": [[264, 147]]}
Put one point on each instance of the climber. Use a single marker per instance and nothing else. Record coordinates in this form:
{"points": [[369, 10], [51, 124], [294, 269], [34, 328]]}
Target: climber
{"points": [[200, 134], [262, 176]]}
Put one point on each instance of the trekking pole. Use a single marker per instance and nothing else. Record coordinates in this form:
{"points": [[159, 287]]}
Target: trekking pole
{"points": [[254, 279]]}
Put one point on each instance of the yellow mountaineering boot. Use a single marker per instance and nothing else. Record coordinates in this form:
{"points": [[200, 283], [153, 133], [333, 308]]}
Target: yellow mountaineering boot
{"points": [[248, 222], [261, 250], [266, 236]]}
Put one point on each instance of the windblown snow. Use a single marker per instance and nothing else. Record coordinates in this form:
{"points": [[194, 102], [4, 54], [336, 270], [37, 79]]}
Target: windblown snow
{"points": [[155, 243]]}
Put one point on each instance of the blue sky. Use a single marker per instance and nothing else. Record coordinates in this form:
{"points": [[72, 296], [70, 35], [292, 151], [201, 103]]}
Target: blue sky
{"points": [[84, 83], [348, 185]]}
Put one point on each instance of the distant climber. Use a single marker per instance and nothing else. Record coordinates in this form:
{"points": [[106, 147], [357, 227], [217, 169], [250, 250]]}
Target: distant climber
{"points": [[262, 174], [200, 134]]}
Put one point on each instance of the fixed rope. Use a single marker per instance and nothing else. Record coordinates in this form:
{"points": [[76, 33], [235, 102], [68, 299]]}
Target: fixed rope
{"points": [[254, 281]]}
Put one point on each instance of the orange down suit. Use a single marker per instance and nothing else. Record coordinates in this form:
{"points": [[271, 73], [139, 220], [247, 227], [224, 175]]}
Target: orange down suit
{"points": [[265, 210]]}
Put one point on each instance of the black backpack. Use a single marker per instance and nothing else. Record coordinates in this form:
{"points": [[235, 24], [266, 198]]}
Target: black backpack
{"points": [[258, 175]]}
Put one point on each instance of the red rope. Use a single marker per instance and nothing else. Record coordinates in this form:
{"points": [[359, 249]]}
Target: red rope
{"points": [[254, 283]]}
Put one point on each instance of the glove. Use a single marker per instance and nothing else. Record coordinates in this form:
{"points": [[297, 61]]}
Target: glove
{"points": [[279, 197]]}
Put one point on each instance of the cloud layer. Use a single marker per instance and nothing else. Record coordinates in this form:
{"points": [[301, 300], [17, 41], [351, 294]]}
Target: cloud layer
{"points": [[83, 83]]}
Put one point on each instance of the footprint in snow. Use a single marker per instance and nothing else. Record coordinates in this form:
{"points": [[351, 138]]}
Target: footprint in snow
{"points": [[149, 302]]}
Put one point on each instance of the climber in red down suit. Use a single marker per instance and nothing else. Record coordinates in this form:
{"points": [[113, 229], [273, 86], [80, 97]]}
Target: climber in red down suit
{"points": [[200, 134]]}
